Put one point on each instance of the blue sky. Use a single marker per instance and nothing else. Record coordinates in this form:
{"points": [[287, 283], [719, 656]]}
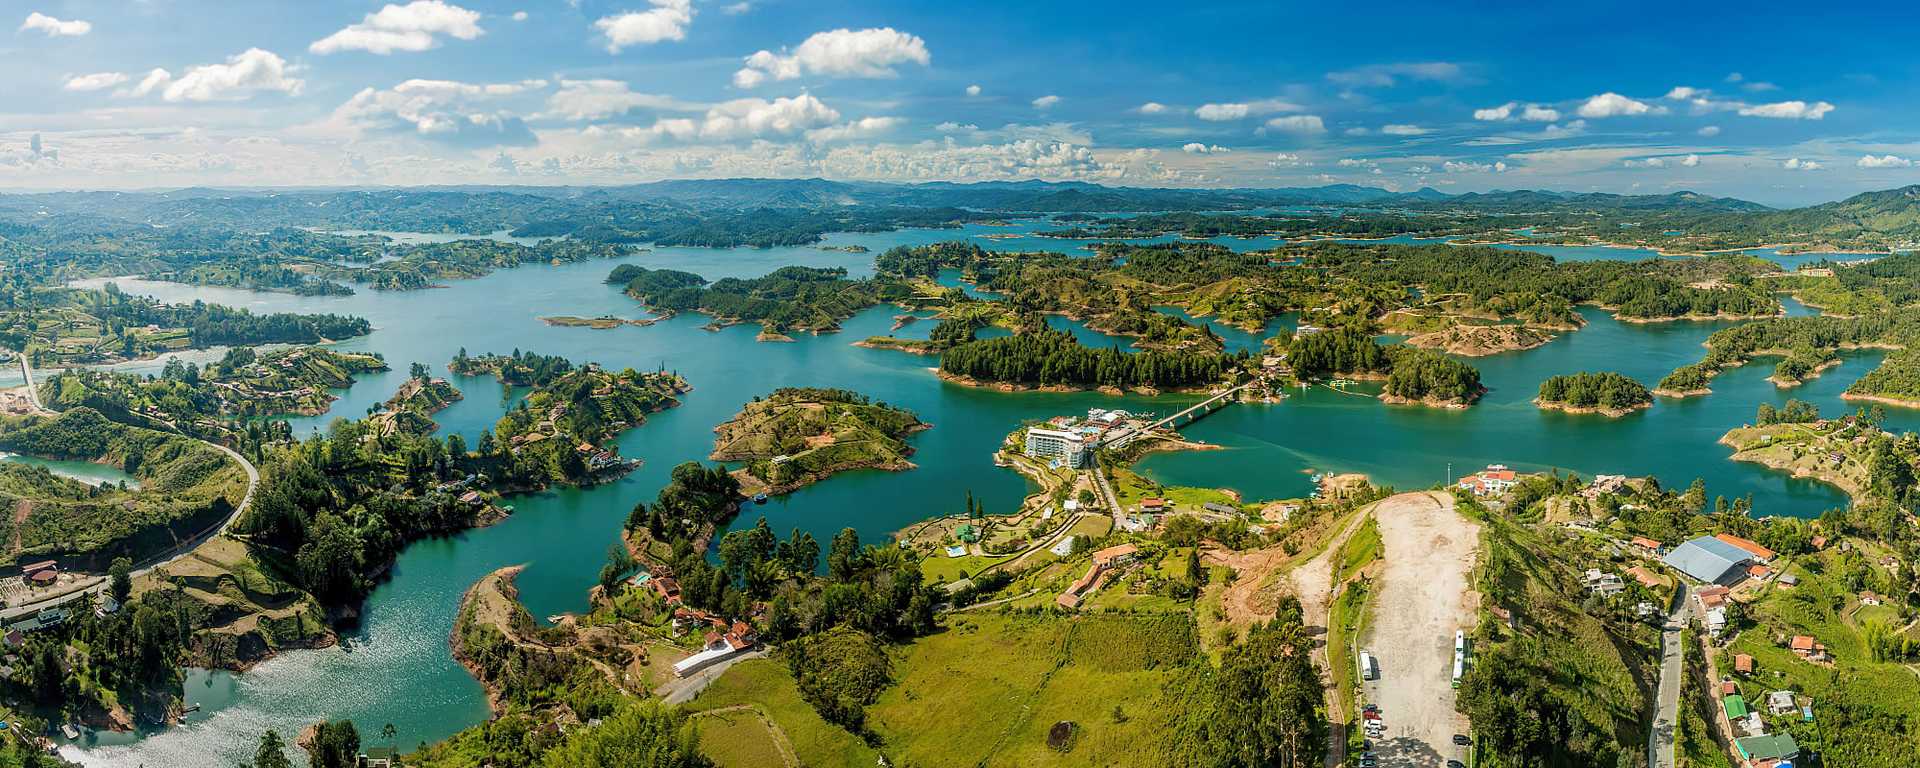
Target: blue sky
{"points": [[1784, 104]]}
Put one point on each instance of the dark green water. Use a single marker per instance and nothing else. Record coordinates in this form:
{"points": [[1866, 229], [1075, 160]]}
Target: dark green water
{"points": [[397, 668]]}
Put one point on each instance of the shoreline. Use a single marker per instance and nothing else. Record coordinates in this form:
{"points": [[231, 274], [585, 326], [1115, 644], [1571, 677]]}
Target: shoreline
{"points": [[1611, 413], [1881, 399]]}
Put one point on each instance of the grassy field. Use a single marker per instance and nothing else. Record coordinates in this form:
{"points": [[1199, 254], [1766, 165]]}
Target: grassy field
{"points": [[1131, 488], [939, 569], [738, 738], [986, 691], [1348, 618], [766, 683]]}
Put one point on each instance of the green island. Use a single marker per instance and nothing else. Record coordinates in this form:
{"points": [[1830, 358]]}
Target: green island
{"points": [[797, 436], [206, 400], [1601, 392]]}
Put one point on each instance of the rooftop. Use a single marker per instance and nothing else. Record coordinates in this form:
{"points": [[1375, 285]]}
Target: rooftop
{"points": [[1709, 559]]}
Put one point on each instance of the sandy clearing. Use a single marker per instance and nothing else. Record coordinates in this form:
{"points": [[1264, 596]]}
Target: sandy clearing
{"points": [[1423, 596]]}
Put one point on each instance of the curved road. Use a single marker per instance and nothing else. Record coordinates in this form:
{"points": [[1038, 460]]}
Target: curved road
{"points": [[157, 561]]}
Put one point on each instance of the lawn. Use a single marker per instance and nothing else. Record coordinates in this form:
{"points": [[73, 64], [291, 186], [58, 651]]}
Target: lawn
{"points": [[939, 569], [737, 739], [767, 684], [985, 691]]}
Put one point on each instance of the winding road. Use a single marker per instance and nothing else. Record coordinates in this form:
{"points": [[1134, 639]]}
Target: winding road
{"points": [[161, 560]]}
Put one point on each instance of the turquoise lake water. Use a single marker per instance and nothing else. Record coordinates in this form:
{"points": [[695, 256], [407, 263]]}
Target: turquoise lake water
{"points": [[396, 668]]}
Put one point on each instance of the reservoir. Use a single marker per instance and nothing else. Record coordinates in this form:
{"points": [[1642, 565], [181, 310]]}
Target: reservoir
{"points": [[397, 668]]}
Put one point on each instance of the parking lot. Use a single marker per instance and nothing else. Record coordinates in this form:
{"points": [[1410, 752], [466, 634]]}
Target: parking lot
{"points": [[1423, 597]]}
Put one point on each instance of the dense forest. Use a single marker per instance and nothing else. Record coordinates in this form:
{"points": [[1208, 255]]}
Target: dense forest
{"points": [[787, 299], [1606, 391], [1054, 358]]}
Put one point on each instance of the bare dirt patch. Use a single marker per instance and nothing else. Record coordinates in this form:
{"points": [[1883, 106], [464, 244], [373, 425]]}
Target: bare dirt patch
{"points": [[1422, 597]]}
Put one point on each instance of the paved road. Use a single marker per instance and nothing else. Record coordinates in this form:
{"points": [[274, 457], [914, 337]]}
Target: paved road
{"points": [[1660, 741], [682, 690]]}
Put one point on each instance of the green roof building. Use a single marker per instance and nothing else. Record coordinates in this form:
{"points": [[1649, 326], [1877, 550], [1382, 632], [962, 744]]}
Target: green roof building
{"points": [[1736, 706], [1777, 746]]}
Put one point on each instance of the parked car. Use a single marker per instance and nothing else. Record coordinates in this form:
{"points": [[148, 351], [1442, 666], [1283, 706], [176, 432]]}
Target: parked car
{"points": [[1462, 740]]}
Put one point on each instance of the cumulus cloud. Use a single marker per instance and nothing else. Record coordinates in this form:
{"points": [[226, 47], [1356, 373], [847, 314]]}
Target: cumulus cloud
{"points": [[863, 128], [1685, 93], [597, 99], [1452, 166], [666, 20], [869, 53], [1238, 110], [442, 111], [1789, 110], [1797, 164], [953, 127], [240, 77], [411, 27], [1355, 162], [519, 15], [1690, 161], [94, 82], [1884, 161], [753, 118], [973, 90], [1197, 148], [736, 9], [1285, 160], [40, 22], [1645, 162], [1151, 108], [1709, 131], [1530, 112], [1298, 124], [1388, 75], [1611, 104], [1404, 130], [1046, 101]]}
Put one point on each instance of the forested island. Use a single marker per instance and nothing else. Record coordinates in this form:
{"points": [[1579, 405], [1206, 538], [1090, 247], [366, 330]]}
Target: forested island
{"points": [[797, 436], [1413, 375], [811, 299], [60, 326], [202, 401], [1051, 359], [1594, 392]]}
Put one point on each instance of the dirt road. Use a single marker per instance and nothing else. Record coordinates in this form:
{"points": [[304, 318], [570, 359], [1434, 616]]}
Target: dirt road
{"points": [[1421, 599]]}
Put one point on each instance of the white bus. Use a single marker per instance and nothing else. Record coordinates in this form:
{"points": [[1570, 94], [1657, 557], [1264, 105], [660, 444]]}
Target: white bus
{"points": [[1459, 666], [1368, 669]]}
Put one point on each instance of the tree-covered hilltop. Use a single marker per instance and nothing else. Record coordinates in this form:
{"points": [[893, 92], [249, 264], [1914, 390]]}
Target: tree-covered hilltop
{"points": [[418, 266], [1810, 340], [1604, 391], [1051, 358], [1412, 374], [798, 436], [518, 369], [184, 486], [787, 299], [72, 325], [584, 408], [1896, 381]]}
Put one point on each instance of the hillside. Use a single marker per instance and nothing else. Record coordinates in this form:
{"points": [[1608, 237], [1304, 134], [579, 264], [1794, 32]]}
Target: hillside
{"points": [[796, 437]]}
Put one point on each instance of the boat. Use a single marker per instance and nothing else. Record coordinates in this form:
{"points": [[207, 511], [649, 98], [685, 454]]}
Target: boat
{"points": [[759, 498], [72, 733]]}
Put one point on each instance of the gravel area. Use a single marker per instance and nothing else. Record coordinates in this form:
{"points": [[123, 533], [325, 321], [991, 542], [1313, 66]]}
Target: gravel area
{"points": [[1423, 597]]}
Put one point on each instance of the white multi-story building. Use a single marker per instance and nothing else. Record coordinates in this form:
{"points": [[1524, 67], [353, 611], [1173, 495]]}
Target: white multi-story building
{"points": [[1070, 448]]}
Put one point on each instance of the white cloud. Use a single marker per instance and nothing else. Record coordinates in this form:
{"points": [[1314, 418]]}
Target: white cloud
{"points": [[868, 53], [1884, 161], [667, 20], [1734, 77], [1611, 104], [1532, 112], [1238, 110], [1404, 130], [1285, 160], [1355, 162], [1501, 112], [519, 15], [243, 75], [445, 111], [1452, 166], [410, 27], [1685, 93], [1151, 108], [1690, 161], [41, 22], [1789, 110], [596, 99], [1387, 75], [1760, 87], [1645, 162], [95, 81], [953, 127], [1197, 148], [1358, 130], [1540, 114], [1797, 164], [1709, 131], [1045, 102], [736, 9], [973, 90], [863, 128], [1298, 124], [750, 118]]}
